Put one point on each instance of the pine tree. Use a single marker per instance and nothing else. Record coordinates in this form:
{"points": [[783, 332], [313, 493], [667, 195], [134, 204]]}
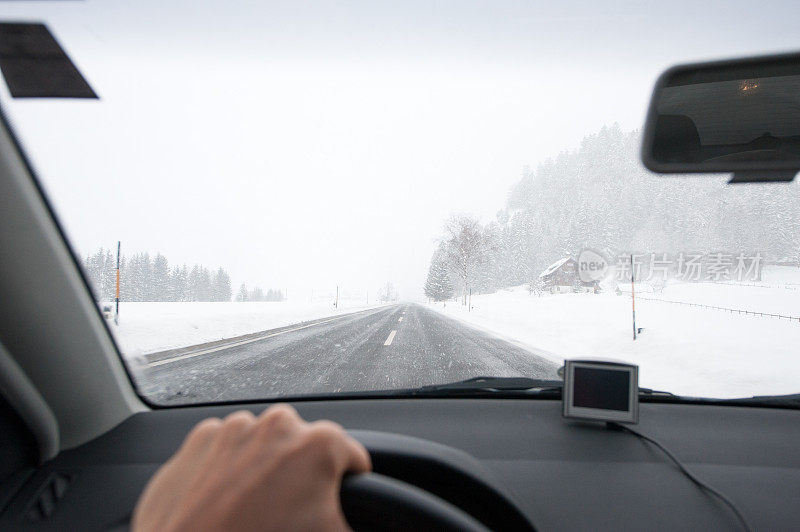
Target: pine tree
{"points": [[179, 279], [438, 286], [221, 286], [242, 295], [160, 283], [199, 284], [123, 276], [109, 276], [93, 276], [147, 292], [205, 285], [256, 294], [132, 281]]}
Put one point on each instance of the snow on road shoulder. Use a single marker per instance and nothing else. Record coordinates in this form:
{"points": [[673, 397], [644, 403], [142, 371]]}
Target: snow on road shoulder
{"points": [[151, 327], [685, 350]]}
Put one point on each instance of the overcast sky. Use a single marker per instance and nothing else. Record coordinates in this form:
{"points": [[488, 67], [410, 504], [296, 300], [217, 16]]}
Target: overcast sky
{"points": [[304, 144]]}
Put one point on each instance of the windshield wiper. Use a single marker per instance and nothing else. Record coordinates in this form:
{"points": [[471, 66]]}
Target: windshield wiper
{"points": [[493, 385], [486, 385], [791, 400], [482, 387], [496, 383], [649, 392]]}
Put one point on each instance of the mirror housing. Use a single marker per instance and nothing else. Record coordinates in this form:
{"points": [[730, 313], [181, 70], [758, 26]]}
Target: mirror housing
{"points": [[740, 116]]}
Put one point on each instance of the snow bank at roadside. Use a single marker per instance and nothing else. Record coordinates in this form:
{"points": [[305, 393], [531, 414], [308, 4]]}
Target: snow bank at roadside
{"points": [[685, 350], [151, 327]]}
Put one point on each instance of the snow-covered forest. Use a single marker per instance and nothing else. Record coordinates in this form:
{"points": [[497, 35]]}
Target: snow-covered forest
{"points": [[258, 294], [146, 278], [599, 196]]}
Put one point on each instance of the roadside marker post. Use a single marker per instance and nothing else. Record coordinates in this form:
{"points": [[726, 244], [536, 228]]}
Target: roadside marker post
{"points": [[633, 301], [116, 314]]}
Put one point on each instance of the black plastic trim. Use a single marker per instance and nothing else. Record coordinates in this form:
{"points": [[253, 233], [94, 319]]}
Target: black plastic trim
{"points": [[7, 123]]}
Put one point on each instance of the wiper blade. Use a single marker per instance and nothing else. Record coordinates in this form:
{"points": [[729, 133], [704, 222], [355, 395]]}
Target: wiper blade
{"points": [[484, 386], [792, 399], [474, 387], [498, 384], [649, 392]]}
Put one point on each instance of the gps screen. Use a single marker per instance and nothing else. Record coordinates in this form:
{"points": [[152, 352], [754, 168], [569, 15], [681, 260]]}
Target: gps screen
{"points": [[601, 388]]}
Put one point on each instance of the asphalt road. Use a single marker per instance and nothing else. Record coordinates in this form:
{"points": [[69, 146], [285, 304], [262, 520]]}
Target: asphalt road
{"points": [[398, 346]]}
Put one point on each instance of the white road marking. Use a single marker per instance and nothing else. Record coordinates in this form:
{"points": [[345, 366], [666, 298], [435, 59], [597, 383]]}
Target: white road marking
{"points": [[236, 344], [391, 337], [401, 318]]}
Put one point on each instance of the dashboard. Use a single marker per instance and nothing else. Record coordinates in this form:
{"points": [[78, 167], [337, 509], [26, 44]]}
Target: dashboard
{"points": [[556, 473]]}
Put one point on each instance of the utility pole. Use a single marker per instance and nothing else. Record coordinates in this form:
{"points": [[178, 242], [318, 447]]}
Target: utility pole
{"points": [[633, 301], [469, 307], [116, 314], [336, 303]]}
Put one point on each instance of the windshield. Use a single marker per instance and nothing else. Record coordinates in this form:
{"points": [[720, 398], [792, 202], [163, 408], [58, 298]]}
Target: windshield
{"points": [[316, 198]]}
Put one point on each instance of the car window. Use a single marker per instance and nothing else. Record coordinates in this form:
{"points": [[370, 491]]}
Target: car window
{"points": [[283, 199]]}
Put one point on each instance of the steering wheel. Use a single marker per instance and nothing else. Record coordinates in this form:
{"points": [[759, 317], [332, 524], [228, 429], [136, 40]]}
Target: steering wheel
{"points": [[416, 485], [422, 485], [375, 502]]}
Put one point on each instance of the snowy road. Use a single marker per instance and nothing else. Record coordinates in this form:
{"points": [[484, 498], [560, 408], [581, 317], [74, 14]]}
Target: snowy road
{"points": [[398, 346]]}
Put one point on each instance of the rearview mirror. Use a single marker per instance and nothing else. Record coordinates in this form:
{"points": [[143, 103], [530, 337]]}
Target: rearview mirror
{"points": [[740, 116]]}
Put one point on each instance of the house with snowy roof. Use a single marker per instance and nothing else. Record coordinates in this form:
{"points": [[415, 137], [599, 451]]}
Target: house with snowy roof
{"points": [[562, 276]]}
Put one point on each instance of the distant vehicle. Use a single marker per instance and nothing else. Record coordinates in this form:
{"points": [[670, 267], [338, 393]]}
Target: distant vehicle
{"points": [[108, 311]]}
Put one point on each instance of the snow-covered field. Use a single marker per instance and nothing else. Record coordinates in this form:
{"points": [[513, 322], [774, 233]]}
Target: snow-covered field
{"points": [[685, 350], [151, 327]]}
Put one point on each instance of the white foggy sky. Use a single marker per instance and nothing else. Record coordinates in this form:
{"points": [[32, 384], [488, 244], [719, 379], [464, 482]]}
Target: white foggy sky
{"points": [[313, 143]]}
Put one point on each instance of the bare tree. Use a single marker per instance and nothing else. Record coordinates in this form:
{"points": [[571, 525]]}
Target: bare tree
{"points": [[466, 246], [387, 293]]}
